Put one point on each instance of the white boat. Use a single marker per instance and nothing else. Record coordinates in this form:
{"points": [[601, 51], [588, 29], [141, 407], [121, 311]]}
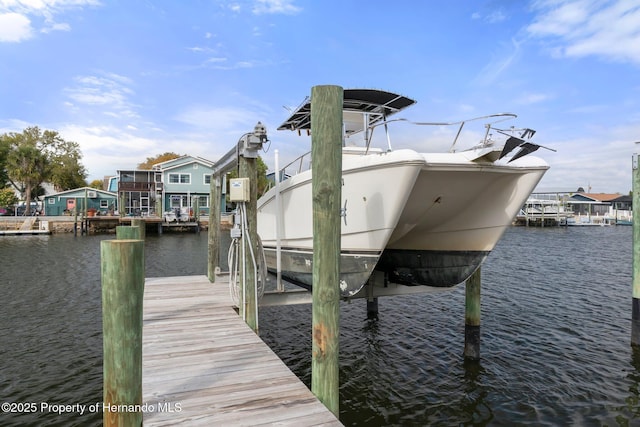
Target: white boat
{"points": [[422, 218]]}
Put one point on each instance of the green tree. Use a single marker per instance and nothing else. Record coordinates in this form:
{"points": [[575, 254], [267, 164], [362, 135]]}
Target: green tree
{"points": [[27, 168], [36, 156], [97, 184], [148, 164], [7, 197], [4, 152], [261, 171], [66, 170]]}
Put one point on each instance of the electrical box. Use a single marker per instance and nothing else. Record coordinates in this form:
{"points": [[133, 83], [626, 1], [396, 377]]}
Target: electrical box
{"points": [[239, 190]]}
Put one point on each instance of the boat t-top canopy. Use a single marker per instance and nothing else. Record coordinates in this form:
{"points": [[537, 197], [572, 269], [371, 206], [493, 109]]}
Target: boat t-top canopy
{"points": [[362, 109]]}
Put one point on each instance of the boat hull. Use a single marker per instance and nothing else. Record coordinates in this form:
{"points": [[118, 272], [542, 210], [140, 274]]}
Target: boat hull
{"points": [[375, 188], [422, 219], [454, 216]]}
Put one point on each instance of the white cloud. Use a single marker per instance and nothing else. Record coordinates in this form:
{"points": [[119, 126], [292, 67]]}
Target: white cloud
{"points": [[499, 64], [17, 18], [602, 159], [533, 98], [106, 90], [107, 149], [224, 120], [493, 17], [579, 28], [275, 6], [14, 27]]}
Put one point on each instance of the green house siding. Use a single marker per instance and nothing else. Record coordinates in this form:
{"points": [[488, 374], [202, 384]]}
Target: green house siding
{"points": [[61, 203], [185, 182]]}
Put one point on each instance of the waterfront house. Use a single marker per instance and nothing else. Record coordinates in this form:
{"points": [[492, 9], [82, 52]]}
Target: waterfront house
{"points": [[179, 185], [83, 199], [596, 207]]}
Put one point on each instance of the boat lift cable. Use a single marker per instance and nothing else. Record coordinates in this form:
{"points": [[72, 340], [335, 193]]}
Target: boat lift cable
{"points": [[240, 240]]}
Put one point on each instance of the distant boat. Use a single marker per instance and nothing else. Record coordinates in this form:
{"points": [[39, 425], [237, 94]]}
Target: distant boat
{"points": [[588, 222], [421, 218]]}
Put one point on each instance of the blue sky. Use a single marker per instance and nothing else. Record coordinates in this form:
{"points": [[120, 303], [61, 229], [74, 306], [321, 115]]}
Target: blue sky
{"points": [[131, 79]]}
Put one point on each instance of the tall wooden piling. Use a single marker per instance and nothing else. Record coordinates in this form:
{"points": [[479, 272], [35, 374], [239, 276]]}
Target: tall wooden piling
{"points": [[122, 273], [127, 232], [249, 309], [472, 316], [635, 301], [215, 193], [326, 149], [140, 223]]}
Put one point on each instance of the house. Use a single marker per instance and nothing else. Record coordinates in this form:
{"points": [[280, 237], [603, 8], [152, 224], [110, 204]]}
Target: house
{"points": [[84, 198], [180, 185], [610, 206]]}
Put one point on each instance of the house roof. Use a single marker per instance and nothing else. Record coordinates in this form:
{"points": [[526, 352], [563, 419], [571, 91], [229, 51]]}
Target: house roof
{"points": [[594, 197], [81, 189], [602, 197], [181, 161]]}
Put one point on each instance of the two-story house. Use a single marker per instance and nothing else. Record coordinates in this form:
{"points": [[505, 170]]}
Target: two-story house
{"points": [[178, 185]]}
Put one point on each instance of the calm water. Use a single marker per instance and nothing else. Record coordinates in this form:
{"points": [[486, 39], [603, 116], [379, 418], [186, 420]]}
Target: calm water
{"points": [[556, 310]]}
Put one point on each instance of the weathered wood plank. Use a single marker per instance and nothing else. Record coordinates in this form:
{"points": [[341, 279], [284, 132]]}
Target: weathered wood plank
{"points": [[203, 365]]}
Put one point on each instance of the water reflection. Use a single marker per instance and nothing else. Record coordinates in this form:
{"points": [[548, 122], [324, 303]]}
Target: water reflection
{"points": [[475, 404], [631, 410]]}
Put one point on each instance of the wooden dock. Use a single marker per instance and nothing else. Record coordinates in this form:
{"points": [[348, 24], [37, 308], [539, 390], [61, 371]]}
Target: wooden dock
{"points": [[203, 365]]}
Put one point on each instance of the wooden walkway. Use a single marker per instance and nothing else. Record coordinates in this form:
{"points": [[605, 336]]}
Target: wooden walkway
{"points": [[202, 365]]}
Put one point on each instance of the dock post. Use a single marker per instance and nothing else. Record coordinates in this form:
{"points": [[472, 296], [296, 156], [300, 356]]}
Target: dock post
{"points": [[376, 279], [140, 223], [635, 302], [247, 169], [127, 232], [122, 273], [472, 316], [215, 192], [326, 149]]}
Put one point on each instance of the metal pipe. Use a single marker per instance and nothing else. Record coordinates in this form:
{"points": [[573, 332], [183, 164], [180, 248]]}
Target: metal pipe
{"points": [[279, 285]]}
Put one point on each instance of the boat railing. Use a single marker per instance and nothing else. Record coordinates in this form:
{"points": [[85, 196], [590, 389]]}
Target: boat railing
{"points": [[303, 162], [298, 165], [499, 117]]}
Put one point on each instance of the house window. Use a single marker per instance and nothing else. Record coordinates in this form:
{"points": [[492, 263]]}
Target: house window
{"points": [[207, 179], [52, 201], [104, 203], [178, 201], [180, 178]]}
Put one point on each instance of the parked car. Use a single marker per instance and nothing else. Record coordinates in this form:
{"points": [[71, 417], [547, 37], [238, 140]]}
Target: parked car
{"points": [[35, 209]]}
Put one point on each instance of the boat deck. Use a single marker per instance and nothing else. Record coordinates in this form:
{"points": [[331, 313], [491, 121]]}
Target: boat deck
{"points": [[203, 365]]}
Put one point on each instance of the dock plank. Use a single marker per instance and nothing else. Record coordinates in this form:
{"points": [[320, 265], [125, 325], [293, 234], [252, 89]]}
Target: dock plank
{"points": [[203, 361]]}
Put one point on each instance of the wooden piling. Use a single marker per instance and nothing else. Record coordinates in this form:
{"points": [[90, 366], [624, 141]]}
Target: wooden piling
{"points": [[126, 232], [140, 223], [122, 273], [635, 301], [326, 149], [215, 192], [247, 169], [472, 316]]}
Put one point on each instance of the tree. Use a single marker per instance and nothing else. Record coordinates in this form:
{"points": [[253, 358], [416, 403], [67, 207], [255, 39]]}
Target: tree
{"points": [[27, 168], [97, 184], [261, 172], [4, 152], [7, 197], [148, 164], [66, 170], [35, 156]]}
